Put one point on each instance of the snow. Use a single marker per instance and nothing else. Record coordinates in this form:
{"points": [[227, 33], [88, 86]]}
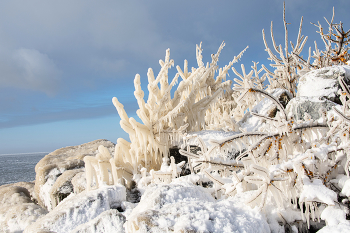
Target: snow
{"points": [[107, 221], [183, 207], [346, 188], [17, 209], [335, 219], [79, 209], [16, 218], [323, 81], [316, 191]]}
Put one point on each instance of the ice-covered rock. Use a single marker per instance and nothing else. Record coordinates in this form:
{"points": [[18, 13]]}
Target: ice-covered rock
{"points": [[26, 188], [323, 82], [63, 186], [188, 208], [12, 195], [27, 185], [108, 221], [79, 209], [15, 218], [17, 210], [53, 165], [298, 106]]}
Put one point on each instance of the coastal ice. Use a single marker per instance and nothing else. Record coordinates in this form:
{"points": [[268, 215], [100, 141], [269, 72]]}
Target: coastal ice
{"points": [[270, 154]]}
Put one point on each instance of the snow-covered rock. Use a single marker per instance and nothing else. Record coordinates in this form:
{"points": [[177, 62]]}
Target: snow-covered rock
{"points": [[53, 165], [108, 221], [189, 208], [323, 82], [27, 185], [17, 210], [298, 106], [63, 186], [15, 218], [79, 209]]}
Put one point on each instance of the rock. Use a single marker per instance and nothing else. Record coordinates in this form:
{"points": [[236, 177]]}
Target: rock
{"points": [[108, 221], [298, 106], [79, 209], [13, 195], [15, 218], [184, 207], [27, 185], [53, 165], [63, 186], [323, 82], [17, 210]]}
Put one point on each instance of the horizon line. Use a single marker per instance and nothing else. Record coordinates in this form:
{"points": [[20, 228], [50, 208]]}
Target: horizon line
{"points": [[25, 153]]}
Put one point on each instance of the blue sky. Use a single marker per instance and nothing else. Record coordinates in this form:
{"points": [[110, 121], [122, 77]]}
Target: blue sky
{"points": [[61, 62]]}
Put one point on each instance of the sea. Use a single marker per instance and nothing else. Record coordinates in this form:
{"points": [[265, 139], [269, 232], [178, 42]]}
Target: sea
{"points": [[19, 167]]}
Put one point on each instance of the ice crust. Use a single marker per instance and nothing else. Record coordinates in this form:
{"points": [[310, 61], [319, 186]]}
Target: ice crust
{"points": [[79, 209]]}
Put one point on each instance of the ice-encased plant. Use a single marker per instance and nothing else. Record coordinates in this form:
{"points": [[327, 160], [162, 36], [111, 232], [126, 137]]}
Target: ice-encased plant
{"points": [[203, 99]]}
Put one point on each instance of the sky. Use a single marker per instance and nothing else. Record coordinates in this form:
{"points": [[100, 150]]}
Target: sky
{"points": [[62, 62]]}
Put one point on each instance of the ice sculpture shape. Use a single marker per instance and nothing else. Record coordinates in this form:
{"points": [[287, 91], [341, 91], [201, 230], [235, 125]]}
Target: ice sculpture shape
{"points": [[98, 168]]}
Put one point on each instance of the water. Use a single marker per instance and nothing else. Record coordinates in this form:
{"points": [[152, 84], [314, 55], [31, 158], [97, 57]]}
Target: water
{"points": [[19, 167]]}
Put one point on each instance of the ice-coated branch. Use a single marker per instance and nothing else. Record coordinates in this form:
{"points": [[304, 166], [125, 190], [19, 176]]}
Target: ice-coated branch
{"points": [[286, 63]]}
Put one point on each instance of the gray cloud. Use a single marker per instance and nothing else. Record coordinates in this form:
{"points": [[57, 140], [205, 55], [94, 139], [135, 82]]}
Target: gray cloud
{"points": [[29, 69]]}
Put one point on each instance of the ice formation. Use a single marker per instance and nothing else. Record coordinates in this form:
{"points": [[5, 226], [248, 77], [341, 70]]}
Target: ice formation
{"points": [[80, 209], [166, 119], [53, 165], [18, 210], [268, 152]]}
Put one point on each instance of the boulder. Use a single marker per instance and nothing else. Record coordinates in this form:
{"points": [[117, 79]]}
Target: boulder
{"points": [[298, 106], [13, 195], [63, 186], [323, 83], [15, 218], [27, 185], [79, 209], [53, 165], [17, 210]]}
